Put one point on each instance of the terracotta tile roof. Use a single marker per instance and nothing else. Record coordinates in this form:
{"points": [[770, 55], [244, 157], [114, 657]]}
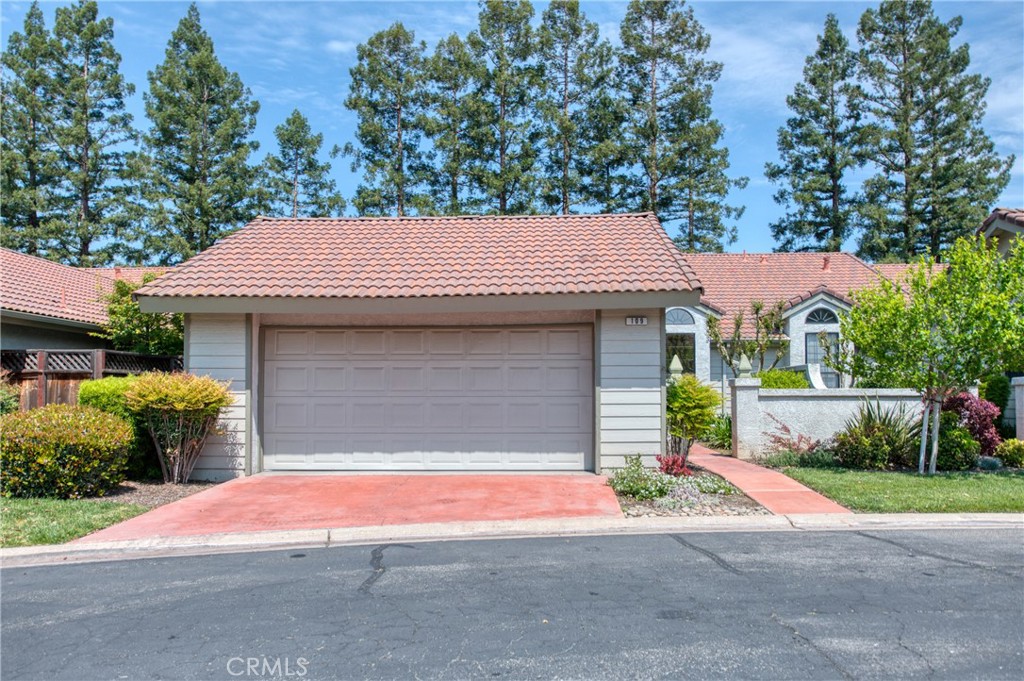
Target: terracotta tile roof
{"points": [[434, 256], [896, 270], [42, 287], [1014, 216], [133, 275], [732, 280]]}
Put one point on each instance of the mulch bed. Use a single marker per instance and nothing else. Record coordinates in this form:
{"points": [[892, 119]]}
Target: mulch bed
{"points": [[152, 494], [684, 501]]}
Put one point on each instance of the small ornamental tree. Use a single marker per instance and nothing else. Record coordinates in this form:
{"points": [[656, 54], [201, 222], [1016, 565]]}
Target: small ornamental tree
{"points": [[768, 326], [180, 411], [130, 329], [690, 410], [937, 332]]}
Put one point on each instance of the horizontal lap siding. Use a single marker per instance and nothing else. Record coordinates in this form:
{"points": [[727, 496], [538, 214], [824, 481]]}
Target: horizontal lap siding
{"points": [[630, 385], [217, 347]]}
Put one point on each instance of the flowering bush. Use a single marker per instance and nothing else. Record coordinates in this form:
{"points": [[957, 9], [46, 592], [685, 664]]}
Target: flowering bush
{"points": [[978, 416], [62, 451], [634, 480]]}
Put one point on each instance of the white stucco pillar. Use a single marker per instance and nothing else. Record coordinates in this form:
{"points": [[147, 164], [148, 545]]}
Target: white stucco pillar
{"points": [[746, 417], [1017, 385]]}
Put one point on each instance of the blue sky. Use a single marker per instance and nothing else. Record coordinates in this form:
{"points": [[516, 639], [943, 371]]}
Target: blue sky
{"points": [[297, 55]]}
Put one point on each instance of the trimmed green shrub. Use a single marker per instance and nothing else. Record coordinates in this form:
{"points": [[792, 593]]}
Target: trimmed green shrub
{"points": [[180, 412], [958, 451], [64, 451], [639, 482], [690, 411], [719, 434], [777, 379], [1011, 452], [10, 398], [877, 438], [108, 394]]}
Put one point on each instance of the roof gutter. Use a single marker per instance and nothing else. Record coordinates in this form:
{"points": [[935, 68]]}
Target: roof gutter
{"points": [[438, 304], [46, 319]]}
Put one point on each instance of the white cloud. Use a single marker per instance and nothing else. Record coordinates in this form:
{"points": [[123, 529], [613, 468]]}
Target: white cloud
{"points": [[340, 46]]}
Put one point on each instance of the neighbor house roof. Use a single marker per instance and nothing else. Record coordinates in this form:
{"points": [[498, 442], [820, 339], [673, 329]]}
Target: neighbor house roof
{"points": [[732, 280], [429, 257], [1013, 216], [37, 286]]}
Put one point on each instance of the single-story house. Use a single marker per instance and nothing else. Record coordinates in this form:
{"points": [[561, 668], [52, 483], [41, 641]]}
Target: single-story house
{"points": [[432, 343], [814, 287], [47, 305], [1003, 225]]}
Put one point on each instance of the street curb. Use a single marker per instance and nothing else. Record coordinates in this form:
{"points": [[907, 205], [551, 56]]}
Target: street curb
{"points": [[164, 547]]}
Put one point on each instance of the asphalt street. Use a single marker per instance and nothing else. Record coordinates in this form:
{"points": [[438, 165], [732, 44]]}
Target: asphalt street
{"points": [[944, 604]]}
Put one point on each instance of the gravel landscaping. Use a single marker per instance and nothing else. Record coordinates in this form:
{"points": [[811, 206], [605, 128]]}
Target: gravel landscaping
{"points": [[152, 494], [688, 499]]}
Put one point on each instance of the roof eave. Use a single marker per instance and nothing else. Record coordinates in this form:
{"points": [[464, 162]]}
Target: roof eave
{"points": [[49, 319], [438, 304]]}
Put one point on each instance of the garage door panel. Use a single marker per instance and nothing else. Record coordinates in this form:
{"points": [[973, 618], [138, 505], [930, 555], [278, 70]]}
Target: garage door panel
{"points": [[428, 399]]}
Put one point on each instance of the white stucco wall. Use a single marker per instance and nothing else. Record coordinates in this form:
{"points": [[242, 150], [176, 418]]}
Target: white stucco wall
{"points": [[630, 390], [797, 328], [817, 414], [217, 346]]}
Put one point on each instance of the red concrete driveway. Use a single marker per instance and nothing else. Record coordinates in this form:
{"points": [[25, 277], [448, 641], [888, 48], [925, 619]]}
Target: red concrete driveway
{"points": [[308, 502]]}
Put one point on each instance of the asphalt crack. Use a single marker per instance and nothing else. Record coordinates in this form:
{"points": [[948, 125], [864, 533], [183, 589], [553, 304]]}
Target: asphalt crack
{"points": [[377, 565], [938, 556], [810, 644], [710, 554]]}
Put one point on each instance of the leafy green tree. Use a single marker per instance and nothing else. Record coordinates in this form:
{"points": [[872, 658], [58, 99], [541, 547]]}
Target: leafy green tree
{"points": [[453, 109], [578, 66], [296, 182], [387, 93], [681, 169], [768, 333], [27, 157], [818, 148], [937, 171], [507, 133], [937, 331], [199, 184], [92, 134], [130, 329]]}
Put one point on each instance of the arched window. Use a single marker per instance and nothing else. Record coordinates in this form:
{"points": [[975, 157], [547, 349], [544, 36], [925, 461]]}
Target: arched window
{"points": [[821, 315], [678, 317]]}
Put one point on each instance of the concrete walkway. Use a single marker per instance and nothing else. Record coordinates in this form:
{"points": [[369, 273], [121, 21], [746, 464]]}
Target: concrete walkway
{"points": [[778, 493]]}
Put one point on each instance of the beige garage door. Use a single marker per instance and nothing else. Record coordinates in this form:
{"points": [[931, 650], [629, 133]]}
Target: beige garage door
{"points": [[428, 399]]}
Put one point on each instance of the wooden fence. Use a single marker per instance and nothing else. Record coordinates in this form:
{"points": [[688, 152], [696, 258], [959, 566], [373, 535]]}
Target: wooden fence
{"points": [[53, 376]]}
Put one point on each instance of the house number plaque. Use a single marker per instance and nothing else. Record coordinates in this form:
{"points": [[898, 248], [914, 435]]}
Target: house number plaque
{"points": [[636, 321]]}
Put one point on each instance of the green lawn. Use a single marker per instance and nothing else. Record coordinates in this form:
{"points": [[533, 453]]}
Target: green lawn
{"points": [[26, 522], [882, 492]]}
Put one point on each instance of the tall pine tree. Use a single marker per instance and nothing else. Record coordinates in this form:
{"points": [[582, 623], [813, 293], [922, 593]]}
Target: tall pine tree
{"points": [[937, 171], [680, 171], [387, 94], [199, 182], [27, 157], [508, 133], [818, 148], [296, 182], [578, 66], [92, 134], [453, 109]]}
